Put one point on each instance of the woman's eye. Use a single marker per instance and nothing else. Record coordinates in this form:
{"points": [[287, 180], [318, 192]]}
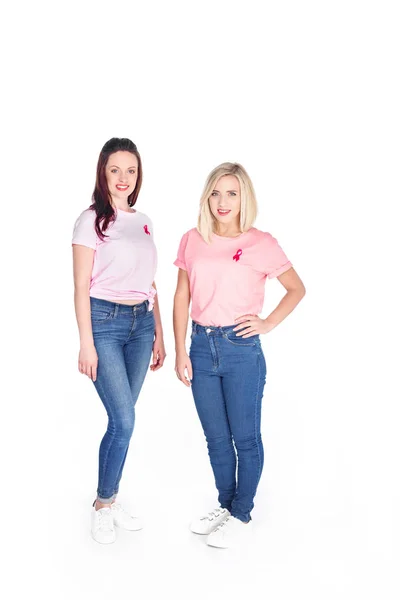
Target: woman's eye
{"points": [[233, 193], [214, 194], [132, 172], [113, 170]]}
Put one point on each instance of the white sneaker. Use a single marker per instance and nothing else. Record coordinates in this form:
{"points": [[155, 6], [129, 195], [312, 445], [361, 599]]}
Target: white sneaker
{"points": [[230, 533], [208, 523], [123, 520], [103, 526]]}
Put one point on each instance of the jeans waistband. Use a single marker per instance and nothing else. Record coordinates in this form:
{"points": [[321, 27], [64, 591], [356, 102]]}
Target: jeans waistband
{"points": [[120, 309], [211, 329]]}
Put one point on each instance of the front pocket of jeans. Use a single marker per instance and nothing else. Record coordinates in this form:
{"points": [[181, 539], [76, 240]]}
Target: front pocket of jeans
{"points": [[239, 341], [99, 316]]}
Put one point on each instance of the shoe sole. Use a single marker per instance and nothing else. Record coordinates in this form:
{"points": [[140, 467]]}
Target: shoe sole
{"points": [[103, 543], [216, 546], [201, 532], [125, 529]]}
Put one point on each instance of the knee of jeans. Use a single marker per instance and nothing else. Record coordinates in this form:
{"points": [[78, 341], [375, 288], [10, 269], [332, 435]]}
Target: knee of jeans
{"points": [[247, 443], [123, 428], [219, 443]]}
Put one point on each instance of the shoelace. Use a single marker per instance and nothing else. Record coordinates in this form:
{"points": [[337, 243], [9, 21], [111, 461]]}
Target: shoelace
{"points": [[122, 512], [213, 514], [105, 519], [224, 523]]}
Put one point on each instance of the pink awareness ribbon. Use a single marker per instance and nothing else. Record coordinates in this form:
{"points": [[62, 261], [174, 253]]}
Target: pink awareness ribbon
{"points": [[237, 255], [146, 229]]}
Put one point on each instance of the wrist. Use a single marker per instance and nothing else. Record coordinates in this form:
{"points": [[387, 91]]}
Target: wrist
{"points": [[268, 326], [87, 343], [179, 350]]}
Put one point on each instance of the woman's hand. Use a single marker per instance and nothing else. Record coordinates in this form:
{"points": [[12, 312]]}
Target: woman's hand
{"points": [[183, 363], [87, 361], [249, 325], [159, 353]]}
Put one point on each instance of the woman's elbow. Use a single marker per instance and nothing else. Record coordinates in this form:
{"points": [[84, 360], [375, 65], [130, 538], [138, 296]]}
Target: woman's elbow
{"points": [[81, 286], [181, 298]]}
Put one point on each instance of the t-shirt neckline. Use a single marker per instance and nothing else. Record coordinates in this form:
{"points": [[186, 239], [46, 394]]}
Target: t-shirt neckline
{"points": [[127, 212], [237, 237]]}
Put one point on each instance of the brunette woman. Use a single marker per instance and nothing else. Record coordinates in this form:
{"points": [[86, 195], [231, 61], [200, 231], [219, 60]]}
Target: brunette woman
{"points": [[118, 315]]}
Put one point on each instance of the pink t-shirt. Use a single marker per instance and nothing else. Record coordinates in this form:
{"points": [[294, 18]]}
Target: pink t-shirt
{"points": [[227, 277], [125, 262]]}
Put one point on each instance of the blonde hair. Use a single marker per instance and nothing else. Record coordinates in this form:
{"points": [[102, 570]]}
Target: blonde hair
{"points": [[248, 203]]}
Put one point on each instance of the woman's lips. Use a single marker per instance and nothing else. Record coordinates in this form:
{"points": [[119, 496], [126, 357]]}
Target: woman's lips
{"points": [[122, 188], [223, 213]]}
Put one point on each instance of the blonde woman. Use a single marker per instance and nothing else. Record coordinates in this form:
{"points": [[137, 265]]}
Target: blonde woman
{"points": [[223, 265]]}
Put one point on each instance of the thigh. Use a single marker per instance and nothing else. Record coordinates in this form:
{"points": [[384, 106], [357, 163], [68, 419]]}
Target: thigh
{"points": [[210, 405], [137, 352], [243, 385], [207, 391], [112, 382]]}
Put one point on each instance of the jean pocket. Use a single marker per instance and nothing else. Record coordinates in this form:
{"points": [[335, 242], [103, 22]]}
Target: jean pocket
{"points": [[99, 315], [237, 340]]}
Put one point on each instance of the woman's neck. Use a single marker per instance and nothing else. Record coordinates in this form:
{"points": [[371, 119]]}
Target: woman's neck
{"points": [[227, 230], [121, 204]]}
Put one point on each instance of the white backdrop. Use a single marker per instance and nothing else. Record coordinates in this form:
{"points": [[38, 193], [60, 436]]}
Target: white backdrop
{"points": [[305, 95]]}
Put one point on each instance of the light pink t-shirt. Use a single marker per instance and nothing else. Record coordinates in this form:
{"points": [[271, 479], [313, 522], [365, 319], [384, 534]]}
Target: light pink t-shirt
{"points": [[125, 262], [227, 277]]}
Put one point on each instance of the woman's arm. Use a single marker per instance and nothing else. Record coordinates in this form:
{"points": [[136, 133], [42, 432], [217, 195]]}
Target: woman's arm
{"points": [[158, 346], [295, 291], [181, 315], [83, 264]]}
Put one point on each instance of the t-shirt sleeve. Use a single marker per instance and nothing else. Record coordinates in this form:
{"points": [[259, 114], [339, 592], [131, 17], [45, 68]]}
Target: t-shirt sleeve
{"points": [[151, 227], [84, 232], [180, 261], [275, 261]]}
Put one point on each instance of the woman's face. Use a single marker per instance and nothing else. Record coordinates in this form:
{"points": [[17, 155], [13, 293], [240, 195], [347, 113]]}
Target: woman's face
{"points": [[225, 200], [121, 174]]}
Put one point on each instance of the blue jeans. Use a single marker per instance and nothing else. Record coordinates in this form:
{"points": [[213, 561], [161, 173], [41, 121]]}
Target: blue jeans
{"points": [[228, 382], [123, 337]]}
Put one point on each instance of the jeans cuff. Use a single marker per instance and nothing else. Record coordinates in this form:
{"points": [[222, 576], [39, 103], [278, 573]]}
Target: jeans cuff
{"points": [[242, 517], [105, 500]]}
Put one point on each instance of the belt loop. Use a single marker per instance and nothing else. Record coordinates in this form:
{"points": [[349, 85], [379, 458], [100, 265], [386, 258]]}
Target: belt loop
{"points": [[116, 306]]}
